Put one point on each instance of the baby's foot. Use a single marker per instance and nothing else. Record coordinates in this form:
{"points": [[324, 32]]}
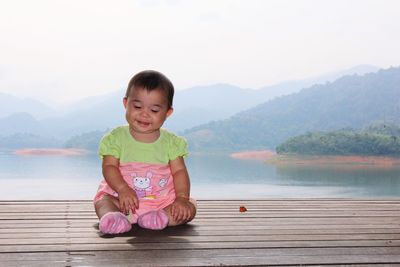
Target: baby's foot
{"points": [[114, 223], [154, 220]]}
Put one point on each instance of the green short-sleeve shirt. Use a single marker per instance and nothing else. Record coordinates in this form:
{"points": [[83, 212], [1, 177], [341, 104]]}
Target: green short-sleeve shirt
{"points": [[120, 144]]}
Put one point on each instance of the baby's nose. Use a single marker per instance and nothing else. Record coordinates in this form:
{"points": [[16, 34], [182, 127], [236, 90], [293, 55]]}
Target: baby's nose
{"points": [[145, 112]]}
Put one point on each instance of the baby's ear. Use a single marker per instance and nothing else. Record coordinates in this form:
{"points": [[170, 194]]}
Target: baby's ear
{"points": [[125, 101], [169, 112]]}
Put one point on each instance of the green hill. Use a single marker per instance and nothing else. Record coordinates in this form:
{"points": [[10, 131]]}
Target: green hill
{"points": [[350, 102], [89, 141], [377, 140]]}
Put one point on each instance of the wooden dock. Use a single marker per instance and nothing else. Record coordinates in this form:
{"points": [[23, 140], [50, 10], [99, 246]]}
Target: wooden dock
{"points": [[271, 232]]}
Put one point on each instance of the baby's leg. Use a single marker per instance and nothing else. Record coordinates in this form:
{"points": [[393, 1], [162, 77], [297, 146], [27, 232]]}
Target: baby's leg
{"points": [[112, 221], [193, 208], [105, 205]]}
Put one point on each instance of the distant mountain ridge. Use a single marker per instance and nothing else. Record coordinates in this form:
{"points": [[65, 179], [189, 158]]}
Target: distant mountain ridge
{"points": [[193, 107], [10, 104], [352, 101], [202, 104]]}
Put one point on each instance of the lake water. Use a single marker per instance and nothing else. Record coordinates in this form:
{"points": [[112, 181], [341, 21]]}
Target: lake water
{"points": [[212, 176]]}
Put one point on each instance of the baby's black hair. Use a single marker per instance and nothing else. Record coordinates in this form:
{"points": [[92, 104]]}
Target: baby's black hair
{"points": [[152, 80]]}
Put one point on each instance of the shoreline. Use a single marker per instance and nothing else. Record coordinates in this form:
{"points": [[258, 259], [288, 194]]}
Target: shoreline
{"points": [[51, 152], [272, 158], [253, 155]]}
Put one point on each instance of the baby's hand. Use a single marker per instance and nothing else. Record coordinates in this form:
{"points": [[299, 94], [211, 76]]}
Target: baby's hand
{"points": [[128, 200], [181, 210]]}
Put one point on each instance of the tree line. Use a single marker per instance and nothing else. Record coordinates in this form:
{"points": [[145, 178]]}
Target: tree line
{"points": [[374, 140]]}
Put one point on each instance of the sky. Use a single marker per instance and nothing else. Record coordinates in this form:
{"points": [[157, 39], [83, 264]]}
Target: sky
{"points": [[59, 51]]}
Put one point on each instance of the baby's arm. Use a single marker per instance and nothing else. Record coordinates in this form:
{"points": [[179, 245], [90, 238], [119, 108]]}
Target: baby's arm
{"points": [[180, 209], [128, 200]]}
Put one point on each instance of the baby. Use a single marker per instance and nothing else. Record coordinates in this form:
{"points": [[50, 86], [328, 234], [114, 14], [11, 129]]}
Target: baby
{"points": [[145, 177]]}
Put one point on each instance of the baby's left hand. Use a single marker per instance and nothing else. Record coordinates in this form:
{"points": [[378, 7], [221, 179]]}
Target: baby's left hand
{"points": [[181, 210]]}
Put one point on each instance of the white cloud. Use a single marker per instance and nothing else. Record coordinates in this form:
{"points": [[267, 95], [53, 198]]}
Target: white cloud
{"points": [[72, 49]]}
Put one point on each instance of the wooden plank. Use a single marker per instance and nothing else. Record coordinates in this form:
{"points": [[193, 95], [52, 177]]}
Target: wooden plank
{"points": [[342, 260], [226, 203], [220, 229], [134, 254], [234, 257], [198, 239], [225, 212], [209, 210], [249, 216], [272, 232], [206, 245], [34, 234], [273, 222]]}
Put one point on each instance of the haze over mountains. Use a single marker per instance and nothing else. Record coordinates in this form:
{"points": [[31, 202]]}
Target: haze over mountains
{"points": [[193, 107], [10, 105], [202, 104], [349, 102], [223, 117]]}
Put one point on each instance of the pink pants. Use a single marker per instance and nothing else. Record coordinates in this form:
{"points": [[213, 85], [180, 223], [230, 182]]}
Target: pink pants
{"points": [[153, 184]]}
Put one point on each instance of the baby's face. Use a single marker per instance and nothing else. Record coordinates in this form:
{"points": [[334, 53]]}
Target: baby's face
{"points": [[146, 111]]}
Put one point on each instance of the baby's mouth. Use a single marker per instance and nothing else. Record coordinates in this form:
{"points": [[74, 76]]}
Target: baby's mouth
{"points": [[143, 123]]}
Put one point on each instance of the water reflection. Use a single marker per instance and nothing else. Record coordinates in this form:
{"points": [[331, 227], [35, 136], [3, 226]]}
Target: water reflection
{"points": [[206, 168], [375, 181], [213, 176]]}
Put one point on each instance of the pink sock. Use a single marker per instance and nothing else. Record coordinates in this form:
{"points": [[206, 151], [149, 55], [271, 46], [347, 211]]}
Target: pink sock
{"points": [[154, 220], [114, 223]]}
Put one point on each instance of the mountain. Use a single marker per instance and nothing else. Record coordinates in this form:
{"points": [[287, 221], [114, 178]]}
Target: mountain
{"points": [[19, 123], [27, 140], [89, 141], [10, 104], [107, 113], [289, 87], [89, 102], [192, 107], [351, 101], [202, 104]]}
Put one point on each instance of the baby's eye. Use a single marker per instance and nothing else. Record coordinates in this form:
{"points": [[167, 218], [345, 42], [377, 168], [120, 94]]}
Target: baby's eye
{"points": [[155, 110], [136, 106]]}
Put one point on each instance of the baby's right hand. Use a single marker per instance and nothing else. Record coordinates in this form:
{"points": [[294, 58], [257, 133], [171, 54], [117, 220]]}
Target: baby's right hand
{"points": [[128, 200]]}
